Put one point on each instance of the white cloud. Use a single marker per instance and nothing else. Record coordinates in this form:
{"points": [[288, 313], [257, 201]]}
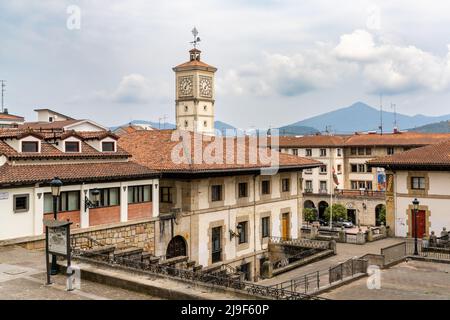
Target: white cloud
{"points": [[381, 66], [134, 89]]}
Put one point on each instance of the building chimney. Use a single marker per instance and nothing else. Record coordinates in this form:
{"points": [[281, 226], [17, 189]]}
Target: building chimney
{"points": [[5, 111]]}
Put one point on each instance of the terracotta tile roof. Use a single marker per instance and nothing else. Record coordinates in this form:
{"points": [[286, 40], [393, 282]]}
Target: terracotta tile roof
{"points": [[7, 116], [49, 150], [48, 125], [24, 174], [153, 149], [436, 155], [397, 139]]}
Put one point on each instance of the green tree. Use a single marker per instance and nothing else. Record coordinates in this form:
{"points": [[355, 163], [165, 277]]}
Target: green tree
{"points": [[310, 214], [339, 212], [381, 218]]}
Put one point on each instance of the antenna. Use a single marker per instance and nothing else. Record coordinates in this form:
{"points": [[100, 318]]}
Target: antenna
{"points": [[394, 106], [3, 86], [381, 113], [196, 39]]}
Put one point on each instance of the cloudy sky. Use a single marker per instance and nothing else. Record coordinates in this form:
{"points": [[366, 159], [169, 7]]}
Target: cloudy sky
{"points": [[279, 61]]}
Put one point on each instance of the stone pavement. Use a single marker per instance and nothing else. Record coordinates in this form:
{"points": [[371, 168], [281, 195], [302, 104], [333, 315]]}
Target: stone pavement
{"points": [[345, 251], [412, 280], [22, 277]]}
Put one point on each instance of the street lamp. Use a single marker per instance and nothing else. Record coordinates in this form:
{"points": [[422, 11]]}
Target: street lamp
{"points": [[416, 209], [55, 185], [88, 204]]}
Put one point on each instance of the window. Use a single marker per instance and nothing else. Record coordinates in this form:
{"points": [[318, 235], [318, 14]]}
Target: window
{"points": [[265, 227], [361, 168], [308, 171], [368, 151], [361, 185], [68, 201], [308, 152], [369, 185], [353, 151], [339, 168], [418, 183], [216, 193], [390, 150], [265, 187], [361, 151], [50, 119], [138, 194], [205, 108], [308, 186], [186, 108], [165, 194], [323, 169], [323, 186], [205, 123], [243, 232], [246, 270], [185, 123], [72, 146], [285, 185], [21, 203], [30, 146], [108, 146], [354, 185], [216, 245], [108, 197], [323, 152], [339, 152], [354, 167], [295, 152], [243, 190]]}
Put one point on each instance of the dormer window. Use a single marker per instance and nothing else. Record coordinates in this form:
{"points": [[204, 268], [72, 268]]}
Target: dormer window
{"points": [[30, 146], [72, 146], [108, 146]]}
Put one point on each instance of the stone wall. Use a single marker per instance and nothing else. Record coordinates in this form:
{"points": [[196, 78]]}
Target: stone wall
{"points": [[139, 234]]}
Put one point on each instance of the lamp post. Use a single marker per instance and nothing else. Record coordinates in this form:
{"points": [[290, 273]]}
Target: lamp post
{"points": [[55, 185], [415, 209]]}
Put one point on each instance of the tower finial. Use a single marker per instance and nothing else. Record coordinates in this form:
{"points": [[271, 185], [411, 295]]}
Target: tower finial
{"points": [[196, 39]]}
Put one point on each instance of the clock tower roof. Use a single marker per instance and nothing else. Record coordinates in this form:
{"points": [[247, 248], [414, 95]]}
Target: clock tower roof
{"points": [[194, 63]]}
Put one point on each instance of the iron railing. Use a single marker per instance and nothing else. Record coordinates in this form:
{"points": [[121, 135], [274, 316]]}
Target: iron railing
{"points": [[440, 250], [293, 258], [195, 276]]}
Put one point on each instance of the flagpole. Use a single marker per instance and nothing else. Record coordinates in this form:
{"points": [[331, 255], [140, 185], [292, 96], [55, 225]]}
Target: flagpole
{"points": [[331, 189]]}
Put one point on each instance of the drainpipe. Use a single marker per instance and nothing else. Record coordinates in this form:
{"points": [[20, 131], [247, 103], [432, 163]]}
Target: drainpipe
{"points": [[254, 227]]}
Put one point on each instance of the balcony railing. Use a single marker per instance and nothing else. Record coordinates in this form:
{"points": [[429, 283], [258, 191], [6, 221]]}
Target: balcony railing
{"points": [[349, 193]]}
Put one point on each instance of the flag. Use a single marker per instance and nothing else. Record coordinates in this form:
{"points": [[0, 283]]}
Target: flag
{"points": [[335, 178]]}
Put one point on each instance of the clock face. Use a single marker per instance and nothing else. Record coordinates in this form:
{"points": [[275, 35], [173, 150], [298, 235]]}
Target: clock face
{"points": [[185, 86], [205, 87]]}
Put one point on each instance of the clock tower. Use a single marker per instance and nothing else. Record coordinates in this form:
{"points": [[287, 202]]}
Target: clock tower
{"points": [[195, 94]]}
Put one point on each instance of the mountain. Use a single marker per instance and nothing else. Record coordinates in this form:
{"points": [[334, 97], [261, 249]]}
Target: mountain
{"points": [[362, 117], [293, 130], [438, 127], [219, 125]]}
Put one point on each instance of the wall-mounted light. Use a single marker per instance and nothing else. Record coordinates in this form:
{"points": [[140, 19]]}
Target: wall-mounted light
{"points": [[96, 199], [237, 233]]}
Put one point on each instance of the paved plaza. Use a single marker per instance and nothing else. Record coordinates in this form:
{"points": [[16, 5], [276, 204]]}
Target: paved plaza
{"points": [[345, 251], [412, 280], [22, 277]]}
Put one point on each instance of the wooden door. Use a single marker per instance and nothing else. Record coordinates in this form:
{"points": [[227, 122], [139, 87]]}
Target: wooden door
{"points": [[286, 226], [421, 223]]}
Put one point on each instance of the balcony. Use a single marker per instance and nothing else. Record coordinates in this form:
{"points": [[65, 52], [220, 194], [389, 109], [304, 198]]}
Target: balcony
{"points": [[348, 193]]}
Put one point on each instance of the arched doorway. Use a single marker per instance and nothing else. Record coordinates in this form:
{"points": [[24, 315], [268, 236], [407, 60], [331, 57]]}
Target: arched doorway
{"points": [[176, 247], [380, 214], [322, 207], [309, 204]]}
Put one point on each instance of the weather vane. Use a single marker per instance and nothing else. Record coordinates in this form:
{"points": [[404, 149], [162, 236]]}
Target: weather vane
{"points": [[196, 39]]}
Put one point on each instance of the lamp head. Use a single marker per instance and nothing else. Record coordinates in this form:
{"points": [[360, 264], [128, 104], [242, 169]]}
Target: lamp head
{"points": [[416, 204], [56, 185]]}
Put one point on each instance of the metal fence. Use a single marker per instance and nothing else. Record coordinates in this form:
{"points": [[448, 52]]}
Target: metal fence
{"points": [[305, 243], [193, 276], [347, 269], [440, 250], [307, 284]]}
